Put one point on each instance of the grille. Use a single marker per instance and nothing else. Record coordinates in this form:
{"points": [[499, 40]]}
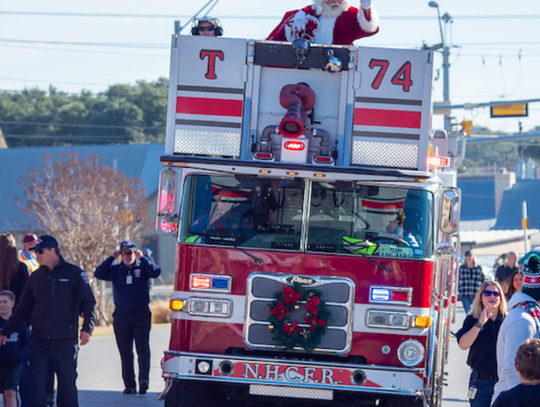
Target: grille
{"points": [[212, 143], [291, 392], [376, 154], [337, 292]]}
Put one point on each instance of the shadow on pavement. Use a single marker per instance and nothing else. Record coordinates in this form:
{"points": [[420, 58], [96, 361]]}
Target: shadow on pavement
{"points": [[91, 398]]}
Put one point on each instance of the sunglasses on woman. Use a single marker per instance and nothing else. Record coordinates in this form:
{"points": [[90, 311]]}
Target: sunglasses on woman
{"points": [[488, 293]]}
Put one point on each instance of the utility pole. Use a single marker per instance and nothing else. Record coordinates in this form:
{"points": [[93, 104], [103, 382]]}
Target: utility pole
{"points": [[446, 62]]}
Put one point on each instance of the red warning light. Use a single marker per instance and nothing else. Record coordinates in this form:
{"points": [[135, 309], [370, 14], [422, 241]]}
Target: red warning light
{"points": [[294, 145]]}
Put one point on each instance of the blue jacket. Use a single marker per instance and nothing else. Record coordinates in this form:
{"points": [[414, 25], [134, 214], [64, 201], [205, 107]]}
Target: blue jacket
{"points": [[15, 350], [131, 288]]}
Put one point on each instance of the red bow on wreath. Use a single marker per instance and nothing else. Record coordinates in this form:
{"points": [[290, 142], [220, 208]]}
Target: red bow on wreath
{"points": [[280, 311], [290, 296], [312, 304]]}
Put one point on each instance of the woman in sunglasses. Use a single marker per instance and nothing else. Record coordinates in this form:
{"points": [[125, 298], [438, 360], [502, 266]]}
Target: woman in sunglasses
{"points": [[479, 335]]}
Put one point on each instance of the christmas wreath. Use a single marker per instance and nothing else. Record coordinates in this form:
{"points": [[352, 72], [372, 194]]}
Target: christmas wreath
{"points": [[290, 334]]}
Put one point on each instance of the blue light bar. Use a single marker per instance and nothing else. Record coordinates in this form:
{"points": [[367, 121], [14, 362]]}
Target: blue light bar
{"points": [[222, 283], [380, 294]]}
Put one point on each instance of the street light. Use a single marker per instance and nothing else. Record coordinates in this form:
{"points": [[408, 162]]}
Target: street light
{"points": [[446, 64]]}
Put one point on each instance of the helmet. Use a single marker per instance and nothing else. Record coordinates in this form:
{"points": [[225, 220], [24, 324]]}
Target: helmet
{"points": [[214, 21]]}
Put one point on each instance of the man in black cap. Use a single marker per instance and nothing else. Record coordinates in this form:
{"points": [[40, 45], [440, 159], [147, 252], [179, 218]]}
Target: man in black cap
{"points": [[132, 317], [51, 301]]}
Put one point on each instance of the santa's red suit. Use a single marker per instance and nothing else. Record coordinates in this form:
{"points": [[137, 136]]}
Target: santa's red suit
{"points": [[314, 25]]}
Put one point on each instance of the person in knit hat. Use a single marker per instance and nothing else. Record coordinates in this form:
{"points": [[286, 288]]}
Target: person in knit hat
{"points": [[328, 22], [522, 323]]}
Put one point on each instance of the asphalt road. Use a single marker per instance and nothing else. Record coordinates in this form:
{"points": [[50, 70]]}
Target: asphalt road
{"points": [[100, 383]]}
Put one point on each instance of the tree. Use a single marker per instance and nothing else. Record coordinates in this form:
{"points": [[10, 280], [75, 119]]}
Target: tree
{"points": [[122, 114], [87, 205]]}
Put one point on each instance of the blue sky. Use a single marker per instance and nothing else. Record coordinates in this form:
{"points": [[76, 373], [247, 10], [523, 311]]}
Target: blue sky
{"points": [[496, 54]]}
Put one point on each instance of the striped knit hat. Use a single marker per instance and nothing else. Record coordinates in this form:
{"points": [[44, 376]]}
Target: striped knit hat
{"points": [[531, 277]]}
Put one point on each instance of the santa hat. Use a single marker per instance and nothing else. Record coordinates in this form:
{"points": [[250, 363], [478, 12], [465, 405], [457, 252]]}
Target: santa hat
{"points": [[531, 277], [318, 5]]}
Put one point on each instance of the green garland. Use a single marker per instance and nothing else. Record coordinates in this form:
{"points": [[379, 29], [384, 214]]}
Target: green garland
{"points": [[290, 334]]}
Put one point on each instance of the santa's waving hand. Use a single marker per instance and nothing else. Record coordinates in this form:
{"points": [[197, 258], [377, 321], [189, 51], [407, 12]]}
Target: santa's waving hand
{"points": [[328, 22]]}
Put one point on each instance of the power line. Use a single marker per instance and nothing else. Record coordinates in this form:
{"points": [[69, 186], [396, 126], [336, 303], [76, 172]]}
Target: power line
{"points": [[95, 126], [259, 17]]}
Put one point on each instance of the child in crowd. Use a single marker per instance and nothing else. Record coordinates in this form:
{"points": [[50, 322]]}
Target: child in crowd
{"points": [[14, 354], [527, 393]]}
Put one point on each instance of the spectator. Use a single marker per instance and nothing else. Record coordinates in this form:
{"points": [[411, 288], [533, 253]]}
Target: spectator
{"points": [[52, 300], [503, 273], [13, 272], [328, 22], [516, 283], [479, 335], [14, 355], [527, 393], [207, 26], [132, 315], [27, 256], [470, 279], [522, 323]]}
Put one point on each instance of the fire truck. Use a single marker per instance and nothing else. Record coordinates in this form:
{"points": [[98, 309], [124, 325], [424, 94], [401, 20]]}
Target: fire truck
{"points": [[316, 222]]}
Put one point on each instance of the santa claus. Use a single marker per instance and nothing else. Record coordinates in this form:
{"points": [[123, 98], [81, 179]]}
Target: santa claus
{"points": [[328, 22]]}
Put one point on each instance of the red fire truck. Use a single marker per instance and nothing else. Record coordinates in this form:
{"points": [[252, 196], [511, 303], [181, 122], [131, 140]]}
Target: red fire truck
{"points": [[316, 220]]}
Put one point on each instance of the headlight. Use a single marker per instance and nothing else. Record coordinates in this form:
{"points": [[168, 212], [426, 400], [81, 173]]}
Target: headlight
{"points": [[411, 353], [388, 319], [209, 307]]}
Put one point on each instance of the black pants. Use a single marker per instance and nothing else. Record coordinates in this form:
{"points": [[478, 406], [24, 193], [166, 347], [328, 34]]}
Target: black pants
{"points": [[59, 355], [128, 328]]}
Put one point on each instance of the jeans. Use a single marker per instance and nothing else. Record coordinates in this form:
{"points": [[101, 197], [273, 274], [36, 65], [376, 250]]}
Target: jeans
{"points": [[484, 391], [466, 304]]}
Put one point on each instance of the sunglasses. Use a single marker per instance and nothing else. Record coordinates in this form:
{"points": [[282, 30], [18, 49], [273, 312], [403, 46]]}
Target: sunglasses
{"points": [[207, 28], [40, 251], [488, 293], [127, 253]]}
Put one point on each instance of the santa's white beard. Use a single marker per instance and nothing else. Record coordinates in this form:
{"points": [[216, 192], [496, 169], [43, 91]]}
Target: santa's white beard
{"points": [[325, 10]]}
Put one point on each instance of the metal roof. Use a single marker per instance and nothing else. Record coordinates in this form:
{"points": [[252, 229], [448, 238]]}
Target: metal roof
{"points": [[510, 213], [478, 198], [134, 160]]}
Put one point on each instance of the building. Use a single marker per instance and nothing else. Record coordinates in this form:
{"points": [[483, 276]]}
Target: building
{"points": [[139, 161]]}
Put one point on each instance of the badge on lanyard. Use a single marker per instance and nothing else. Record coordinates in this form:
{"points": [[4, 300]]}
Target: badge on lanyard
{"points": [[129, 279]]}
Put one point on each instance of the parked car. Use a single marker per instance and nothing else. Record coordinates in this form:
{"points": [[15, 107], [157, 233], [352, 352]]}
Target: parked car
{"points": [[525, 258]]}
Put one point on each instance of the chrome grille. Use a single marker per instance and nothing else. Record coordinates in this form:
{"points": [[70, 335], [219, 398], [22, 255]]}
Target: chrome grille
{"points": [[379, 154], [337, 292], [207, 142]]}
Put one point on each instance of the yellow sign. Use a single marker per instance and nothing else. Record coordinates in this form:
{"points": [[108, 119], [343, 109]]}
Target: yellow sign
{"points": [[511, 110]]}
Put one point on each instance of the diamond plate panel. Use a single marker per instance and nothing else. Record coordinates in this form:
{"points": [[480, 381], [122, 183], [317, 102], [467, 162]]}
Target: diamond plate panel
{"points": [[292, 392], [204, 142], [376, 154]]}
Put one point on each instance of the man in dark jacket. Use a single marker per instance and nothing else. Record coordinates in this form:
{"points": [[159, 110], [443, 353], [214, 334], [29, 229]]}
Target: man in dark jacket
{"points": [[51, 301], [132, 316]]}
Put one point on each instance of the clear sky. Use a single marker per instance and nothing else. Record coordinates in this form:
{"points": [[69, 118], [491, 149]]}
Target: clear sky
{"points": [[74, 45]]}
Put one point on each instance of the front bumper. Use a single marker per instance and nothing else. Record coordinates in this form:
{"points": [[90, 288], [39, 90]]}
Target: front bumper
{"points": [[258, 371]]}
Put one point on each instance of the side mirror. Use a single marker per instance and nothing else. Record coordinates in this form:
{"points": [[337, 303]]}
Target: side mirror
{"points": [[450, 208], [444, 251], [167, 219]]}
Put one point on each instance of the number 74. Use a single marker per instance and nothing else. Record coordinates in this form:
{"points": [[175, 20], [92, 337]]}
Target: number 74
{"points": [[401, 78]]}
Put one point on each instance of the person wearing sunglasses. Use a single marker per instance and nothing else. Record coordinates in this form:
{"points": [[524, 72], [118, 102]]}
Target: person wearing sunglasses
{"points": [[132, 316], [54, 297], [522, 323], [207, 26], [479, 336]]}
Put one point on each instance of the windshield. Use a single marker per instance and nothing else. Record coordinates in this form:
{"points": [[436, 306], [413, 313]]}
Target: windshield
{"points": [[243, 211], [347, 218], [370, 220]]}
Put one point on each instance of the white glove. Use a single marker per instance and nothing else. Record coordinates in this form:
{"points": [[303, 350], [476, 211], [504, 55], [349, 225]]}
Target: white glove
{"points": [[366, 4]]}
